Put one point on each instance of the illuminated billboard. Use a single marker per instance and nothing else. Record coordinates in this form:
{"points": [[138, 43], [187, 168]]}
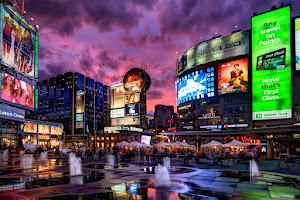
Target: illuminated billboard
{"points": [[56, 130], [44, 129], [117, 97], [132, 109], [297, 43], [79, 117], [236, 44], [196, 85], [19, 43], [271, 65], [233, 77], [146, 139], [125, 121], [132, 98], [79, 101], [117, 113], [30, 128], [17, 91], [136, 80]]}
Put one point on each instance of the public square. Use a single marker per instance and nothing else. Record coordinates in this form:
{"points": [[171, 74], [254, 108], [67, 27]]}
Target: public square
{"points": [[50, 179]]}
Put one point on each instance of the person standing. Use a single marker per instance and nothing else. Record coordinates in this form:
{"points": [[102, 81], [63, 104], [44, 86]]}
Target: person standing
{"points": [[147, 153], [142, 154], [115, 153]]}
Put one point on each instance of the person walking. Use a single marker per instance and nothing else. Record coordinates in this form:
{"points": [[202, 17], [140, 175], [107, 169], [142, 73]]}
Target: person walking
{"points": [[116, 153], [142, 154]]}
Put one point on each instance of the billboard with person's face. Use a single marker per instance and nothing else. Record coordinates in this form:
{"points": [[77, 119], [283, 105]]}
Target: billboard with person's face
{"points": [[271, 65], [19, 43], [233, 77], [16, 91], [44, 129]]}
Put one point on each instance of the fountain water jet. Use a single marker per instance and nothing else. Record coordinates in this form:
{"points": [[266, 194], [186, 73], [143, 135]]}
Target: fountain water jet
{"points": [[162, 176], [5, 155], [75, 165], [253, 169], [43, 156], [111, 160], [26, 161], [167, 162]]}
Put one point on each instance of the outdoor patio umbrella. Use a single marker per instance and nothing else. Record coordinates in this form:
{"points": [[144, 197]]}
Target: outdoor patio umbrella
{"points": [[123, 143], [178, 143], [212, 143], [161, 144], [185, 144], [134, 144], [234, 143], [145, 145]]}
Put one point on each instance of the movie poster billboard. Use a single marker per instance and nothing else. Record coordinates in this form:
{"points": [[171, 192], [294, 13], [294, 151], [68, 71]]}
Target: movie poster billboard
{"points": [[196, 85], [17, 91], [19, 43], [271, 65], [117, 97], [30, 128], [236, 44], [79, 101], [297, 43], [44, 129], [132, 98], [233, 77], [136, 80]]}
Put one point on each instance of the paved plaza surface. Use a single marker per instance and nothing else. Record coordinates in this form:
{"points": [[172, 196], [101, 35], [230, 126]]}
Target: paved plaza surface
{"points": [[50, 179]]}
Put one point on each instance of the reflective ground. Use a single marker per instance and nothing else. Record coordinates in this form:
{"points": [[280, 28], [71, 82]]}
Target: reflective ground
{"points": [[50, 180]]}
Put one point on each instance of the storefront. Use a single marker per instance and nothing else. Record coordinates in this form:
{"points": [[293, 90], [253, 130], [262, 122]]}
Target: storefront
{"points": [[11, 121]]}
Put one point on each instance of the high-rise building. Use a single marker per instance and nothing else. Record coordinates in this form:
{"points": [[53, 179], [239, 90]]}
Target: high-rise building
{"points": [[161, 116], [77, 102]]}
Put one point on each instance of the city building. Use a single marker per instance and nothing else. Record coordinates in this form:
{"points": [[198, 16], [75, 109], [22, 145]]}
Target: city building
{"points": [[242, 86], [78, 103], [162, 114]]}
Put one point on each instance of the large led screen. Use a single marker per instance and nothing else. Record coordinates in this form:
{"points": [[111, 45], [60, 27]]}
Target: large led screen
{"points": [[196, 85], [56, 130], [236, 44], [132, 98], [17, 91], [233, 77], [44, 129], [117, 97], [297, 43], [19, 43], [271, 65], [132, 109]]}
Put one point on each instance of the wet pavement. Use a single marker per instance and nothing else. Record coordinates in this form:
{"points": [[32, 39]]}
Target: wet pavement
{"points": [[132, 180]]}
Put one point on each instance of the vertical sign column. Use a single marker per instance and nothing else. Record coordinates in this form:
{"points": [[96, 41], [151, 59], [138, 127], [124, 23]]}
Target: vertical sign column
{"points": [[271, 65]]}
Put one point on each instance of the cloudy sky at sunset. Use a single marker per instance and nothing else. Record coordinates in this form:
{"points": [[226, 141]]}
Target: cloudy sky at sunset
{"points": [[104, 39]]}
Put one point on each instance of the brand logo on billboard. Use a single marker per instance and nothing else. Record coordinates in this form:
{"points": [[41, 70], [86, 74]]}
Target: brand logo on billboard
{"points": [[258, 115], [209, 116], [236, 125], [188, 127], [185, 107]]}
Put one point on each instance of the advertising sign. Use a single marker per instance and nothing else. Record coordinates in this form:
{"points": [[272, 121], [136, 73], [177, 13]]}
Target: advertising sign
{"points": [[233, 77], [196, 85], [181, 63], [271, 65], [11, 113], [19, 43], [132, 109], [146, 139], [132, 98], [117, 113], [79, 101], [134, 80], [56, 130], [125, 121], [297, 43], [111, 129], [117, 97], [44, 129], [236, 44], [30, 128], [79, 117], [17, 91]]}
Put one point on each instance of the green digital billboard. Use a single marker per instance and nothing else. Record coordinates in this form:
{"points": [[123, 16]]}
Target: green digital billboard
{"points": [[271, 65]]}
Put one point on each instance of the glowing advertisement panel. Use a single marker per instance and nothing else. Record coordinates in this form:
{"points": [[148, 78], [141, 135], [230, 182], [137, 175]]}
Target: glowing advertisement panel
{"points": [[196, 85], [16, 91], [236, 44], [125, 121], [56, 130], [297, 43], [117, 113], [30, 128], [271, 65], [117, 97], [44, 129], [233, 77], [146, 139], [132, 98], [19, 43], [79, 101]]}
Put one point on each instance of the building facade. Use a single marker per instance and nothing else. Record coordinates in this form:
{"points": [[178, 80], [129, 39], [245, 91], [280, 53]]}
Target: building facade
{"points": [[77, 102]]}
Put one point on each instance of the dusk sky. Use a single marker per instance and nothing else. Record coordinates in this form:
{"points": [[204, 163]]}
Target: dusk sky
{"points": [[104, 39]]}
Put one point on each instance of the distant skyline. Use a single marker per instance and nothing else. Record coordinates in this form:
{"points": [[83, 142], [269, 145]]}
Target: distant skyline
{"points": [[105, 39]]}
